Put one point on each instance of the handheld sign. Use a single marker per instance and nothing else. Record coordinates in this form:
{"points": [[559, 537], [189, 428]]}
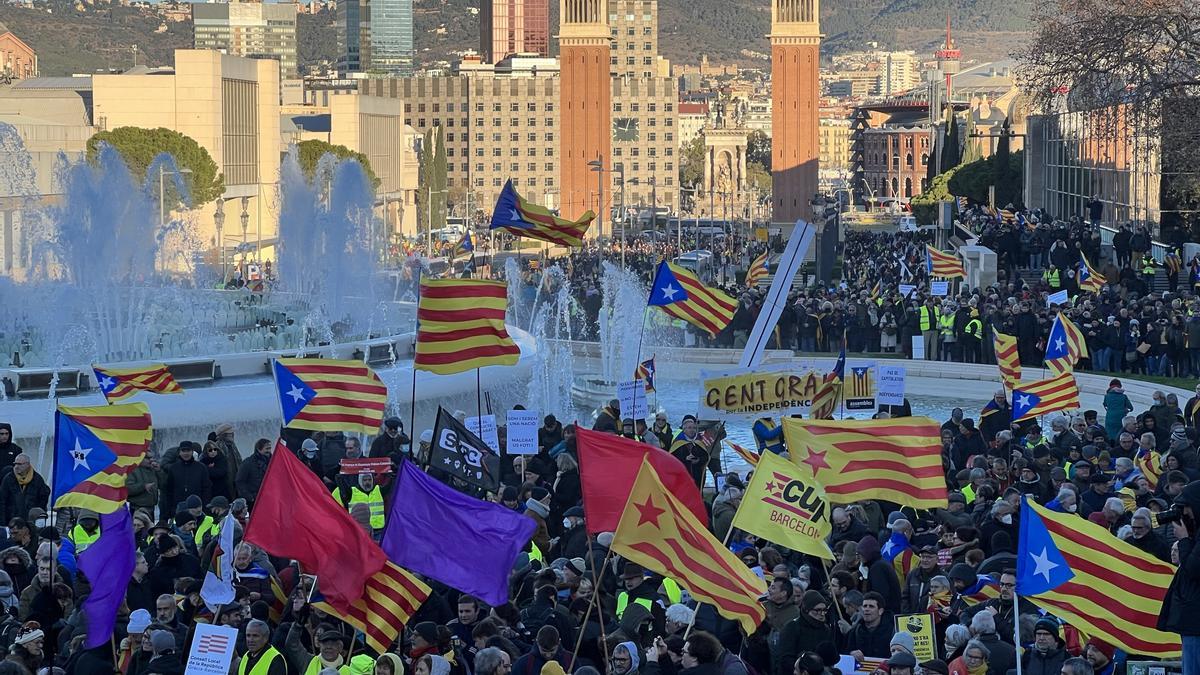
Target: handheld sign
{"points": [[522, 432], [212, 650]]}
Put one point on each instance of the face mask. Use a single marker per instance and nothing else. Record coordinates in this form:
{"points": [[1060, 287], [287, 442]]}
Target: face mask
{"points": [[566, 523], [1006, 519]]}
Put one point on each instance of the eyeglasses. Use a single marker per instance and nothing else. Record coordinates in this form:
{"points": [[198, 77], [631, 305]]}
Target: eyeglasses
{"points": [[819, 610], [973, 657], [1004, 585]]}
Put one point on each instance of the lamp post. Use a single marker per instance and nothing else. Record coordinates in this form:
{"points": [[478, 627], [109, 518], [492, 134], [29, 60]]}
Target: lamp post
{"points": [[219, 221], [597, 166], [429, 229]]}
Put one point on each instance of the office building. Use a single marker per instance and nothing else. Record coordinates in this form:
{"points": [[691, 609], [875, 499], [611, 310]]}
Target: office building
{"points": [[254, 30], [391, 38], [633, 25], [511, 27], [353, 29]]}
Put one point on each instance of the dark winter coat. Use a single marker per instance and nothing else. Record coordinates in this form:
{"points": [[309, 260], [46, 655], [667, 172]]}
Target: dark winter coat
{"points": [[184, 479], [800, 635], [16, 500], [1181, 607], [250, 476], [875, 643]]}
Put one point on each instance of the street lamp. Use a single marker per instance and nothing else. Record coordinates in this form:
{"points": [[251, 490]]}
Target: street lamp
{"points": [[429, 229], [597, 166], [219, 221]]}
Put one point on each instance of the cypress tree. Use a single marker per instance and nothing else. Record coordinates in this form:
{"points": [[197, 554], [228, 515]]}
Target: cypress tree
{"points": [[1001, 169]]}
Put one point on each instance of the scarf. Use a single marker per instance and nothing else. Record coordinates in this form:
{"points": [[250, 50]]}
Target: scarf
{"points": [[334, 664], [24, 480], [980, 669]]}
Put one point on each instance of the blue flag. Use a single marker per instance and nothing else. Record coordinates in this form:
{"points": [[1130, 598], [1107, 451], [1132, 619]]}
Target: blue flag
{"points": [[1041, 567], [463, 542], [108, 564], [78, 454]]}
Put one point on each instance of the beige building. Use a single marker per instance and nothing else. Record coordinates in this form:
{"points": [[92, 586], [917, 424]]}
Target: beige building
{"points": [[834, 139], [256, 30], [644, 140], [691, 120], [227, 104], [634, 26]]}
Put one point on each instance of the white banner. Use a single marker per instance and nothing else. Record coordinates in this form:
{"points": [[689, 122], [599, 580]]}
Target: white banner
{"points": [[789, 263], [939, 289], [918, 346], [212, 650], [906, 290], [891, 384], [487, 433], [1060, 298], [521, 432], [632, 395]]}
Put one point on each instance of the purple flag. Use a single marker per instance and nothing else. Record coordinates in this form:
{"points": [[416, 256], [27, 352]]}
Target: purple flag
{"points": [[463, 542], [108, 565]]}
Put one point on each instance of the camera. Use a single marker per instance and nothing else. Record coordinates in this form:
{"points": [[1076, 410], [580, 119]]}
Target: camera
{"points": [[1169, 515]]}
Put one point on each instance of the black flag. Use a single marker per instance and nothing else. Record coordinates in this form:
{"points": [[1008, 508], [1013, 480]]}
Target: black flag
{"points": [[462, 454]]}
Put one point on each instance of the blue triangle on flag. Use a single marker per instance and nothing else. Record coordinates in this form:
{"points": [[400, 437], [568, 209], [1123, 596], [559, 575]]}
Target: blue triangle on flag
{"points": [[1041, 567], [78, 454], [107, 382], [1023, 402], [1056, 343], [294, 394], [666, 289]]}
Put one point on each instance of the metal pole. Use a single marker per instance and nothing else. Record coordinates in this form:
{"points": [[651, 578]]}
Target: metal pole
{"points": [[429, 227]]}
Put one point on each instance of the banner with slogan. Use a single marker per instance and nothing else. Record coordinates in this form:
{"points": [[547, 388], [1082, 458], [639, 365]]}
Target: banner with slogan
{"points": [[784, 504], [859, 388], [759, 393], [920, 626]]}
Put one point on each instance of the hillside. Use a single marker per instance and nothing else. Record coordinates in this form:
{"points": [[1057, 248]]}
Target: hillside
{"points": [[84, 38]]}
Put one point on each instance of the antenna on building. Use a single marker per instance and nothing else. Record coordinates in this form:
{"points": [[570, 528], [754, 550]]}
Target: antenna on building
{"points": [[134, 48]]}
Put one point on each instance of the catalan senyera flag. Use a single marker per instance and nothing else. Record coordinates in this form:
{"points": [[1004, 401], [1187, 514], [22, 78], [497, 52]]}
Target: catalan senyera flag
{"points": [[525, 219], [1007, 358], [1008, 216], [1149, 462], [118, 384], [783, 504], [1045, 396], [460, 326], [645, 373], [876, 290], [658, 532], [941, 265], [745, 453], [758, 270], [678, 292], [1078, 571], [391, 597], [826, 397], [95, 448], [898, 460], [1088, 279], [962, 203], [1065, 345], [330, 395]]}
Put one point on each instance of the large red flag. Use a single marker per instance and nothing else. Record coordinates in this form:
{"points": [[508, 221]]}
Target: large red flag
{"points": [[295, 517], [608, 466]]}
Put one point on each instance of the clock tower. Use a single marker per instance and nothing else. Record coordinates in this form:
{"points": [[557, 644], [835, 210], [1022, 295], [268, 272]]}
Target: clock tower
{"points": [[795, 64], [585, 105]]}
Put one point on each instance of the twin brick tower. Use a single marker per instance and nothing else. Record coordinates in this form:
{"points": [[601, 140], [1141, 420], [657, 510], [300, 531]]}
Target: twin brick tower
{"points": [[586, 101]]}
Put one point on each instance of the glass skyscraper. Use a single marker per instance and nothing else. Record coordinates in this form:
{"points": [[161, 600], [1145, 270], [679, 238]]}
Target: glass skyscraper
{"points": [[391, 37]]}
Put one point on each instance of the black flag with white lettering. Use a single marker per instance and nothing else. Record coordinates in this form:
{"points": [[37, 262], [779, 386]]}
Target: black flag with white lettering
{"points": [[462, 454]]}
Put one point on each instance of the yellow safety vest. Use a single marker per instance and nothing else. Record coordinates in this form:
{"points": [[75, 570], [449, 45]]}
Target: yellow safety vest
{"points": [[208, 525], [1147, 265], [973, 328], [82, 539], [674, 593], [623, 602], [263, 665], [314, 667], [946, 321], [969, 492], [373, 500], [928, 319], [1051, 277], [535, 553]]}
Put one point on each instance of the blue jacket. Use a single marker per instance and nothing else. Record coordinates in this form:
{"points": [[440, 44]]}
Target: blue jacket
{"points": [[768, 435]]}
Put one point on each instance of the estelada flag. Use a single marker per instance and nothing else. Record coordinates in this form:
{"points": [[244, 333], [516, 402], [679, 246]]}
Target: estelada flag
{"points": [[897, 460], [659, 532], [95, 450], [118, 384], [609, 464], [295, 517], [784, 505], [329, 395]]}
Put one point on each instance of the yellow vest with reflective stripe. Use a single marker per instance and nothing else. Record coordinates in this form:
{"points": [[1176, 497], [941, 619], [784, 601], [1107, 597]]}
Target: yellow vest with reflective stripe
{"points": [[928, 318], [973, 328], [264, 664], [623, 602], [208, 525], [314, 667], [672, 590], [535, 553], [82, 539], [373, 500], [946, 322]]}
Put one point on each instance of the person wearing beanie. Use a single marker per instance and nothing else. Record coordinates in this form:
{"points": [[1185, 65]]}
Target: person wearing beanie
{"points": [[1100, 654], [902, 642], [185, 478], [424, 640], [537, 509], [166, 657], [546, 650], [901, 663], [807, 631], [878, 574], [935, 667], [1048, 654]]}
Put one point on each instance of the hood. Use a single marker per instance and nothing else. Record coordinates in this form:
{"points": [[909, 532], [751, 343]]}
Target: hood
{"points": [[1190, 496], [634, 615], [362, 664], [438, 665], [397, 664], [21, 553], [633, 655]]}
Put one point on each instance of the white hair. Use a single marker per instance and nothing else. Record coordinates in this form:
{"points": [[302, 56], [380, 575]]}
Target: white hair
{"points": [[1114, 504], [678, 613]]}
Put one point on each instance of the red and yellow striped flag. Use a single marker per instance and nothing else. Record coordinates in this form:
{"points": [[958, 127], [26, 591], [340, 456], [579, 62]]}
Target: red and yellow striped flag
{"points": [[1007, 358], [460, 326], [941, 265], [330, 395], [898, 460], [1149, 462], [123, 430], [118, 384], [661, 534], [745, 453], [679, 292], [758, 270], [391, 597], [826, 397]]}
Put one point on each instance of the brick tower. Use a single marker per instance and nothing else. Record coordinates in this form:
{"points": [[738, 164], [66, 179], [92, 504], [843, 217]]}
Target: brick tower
{"points": [[585, 104], [795, 89]]}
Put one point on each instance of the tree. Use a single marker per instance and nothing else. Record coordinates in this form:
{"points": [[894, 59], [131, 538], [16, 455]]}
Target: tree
{"points": [[971, 150], [310, 152], [972, 180], [139, 147], [758, 178], [924, 205], [691, 166], [424, 174], [758, 149], [950, 145], [1001, 173], [438, 179]]}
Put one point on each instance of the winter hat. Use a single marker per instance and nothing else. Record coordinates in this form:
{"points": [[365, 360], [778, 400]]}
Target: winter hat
{"points": [[537, 507], [508, 494], [6, 587], [1048, 625], [904, 640], [427, 630], [539, 493], [193, 502], [936, 666], [1101, 646], [552, 668], [309, 447], [964, 573], [162, 641], [28, 632], [139, 621], [902, 659], [224, 428], [868, 548], [893, 517], [577, 565], [811, 599], [605, 539]]}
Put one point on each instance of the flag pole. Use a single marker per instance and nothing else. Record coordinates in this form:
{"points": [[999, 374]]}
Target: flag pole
{"points": [[412, 403], [641, 333], [1017, 630], [479, 399]]}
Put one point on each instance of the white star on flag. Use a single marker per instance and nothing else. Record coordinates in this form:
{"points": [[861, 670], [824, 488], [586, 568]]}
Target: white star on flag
{"points": [[669, 292], [1023, 401], [1058, 344], [80, 455], [887, 548], [296, 393], [1042, 564], [107, 383]]}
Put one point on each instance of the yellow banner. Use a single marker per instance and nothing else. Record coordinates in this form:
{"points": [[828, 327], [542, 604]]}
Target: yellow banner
{"points": [[784, 505], [920, 626], [757, 394]]}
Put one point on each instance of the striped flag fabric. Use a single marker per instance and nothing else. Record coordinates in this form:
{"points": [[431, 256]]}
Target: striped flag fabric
{"points": [[1089, 280], [1149, 463], [898, 551], [95, 449], [392, 595], [460, 326], [277, 601], [679, 293], [658, 532], [1045, 396], [1008, 216], [329, 395], [941, 265], [1008, 359], [985, 588], [962, 203], [464, 247], [758, 270], [876, 290], [525, 219], [750, 456], [118, 384], [990, 409], [826, 397], [1065, 345], [1104, 586], [645, 373], [898, 460]]}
